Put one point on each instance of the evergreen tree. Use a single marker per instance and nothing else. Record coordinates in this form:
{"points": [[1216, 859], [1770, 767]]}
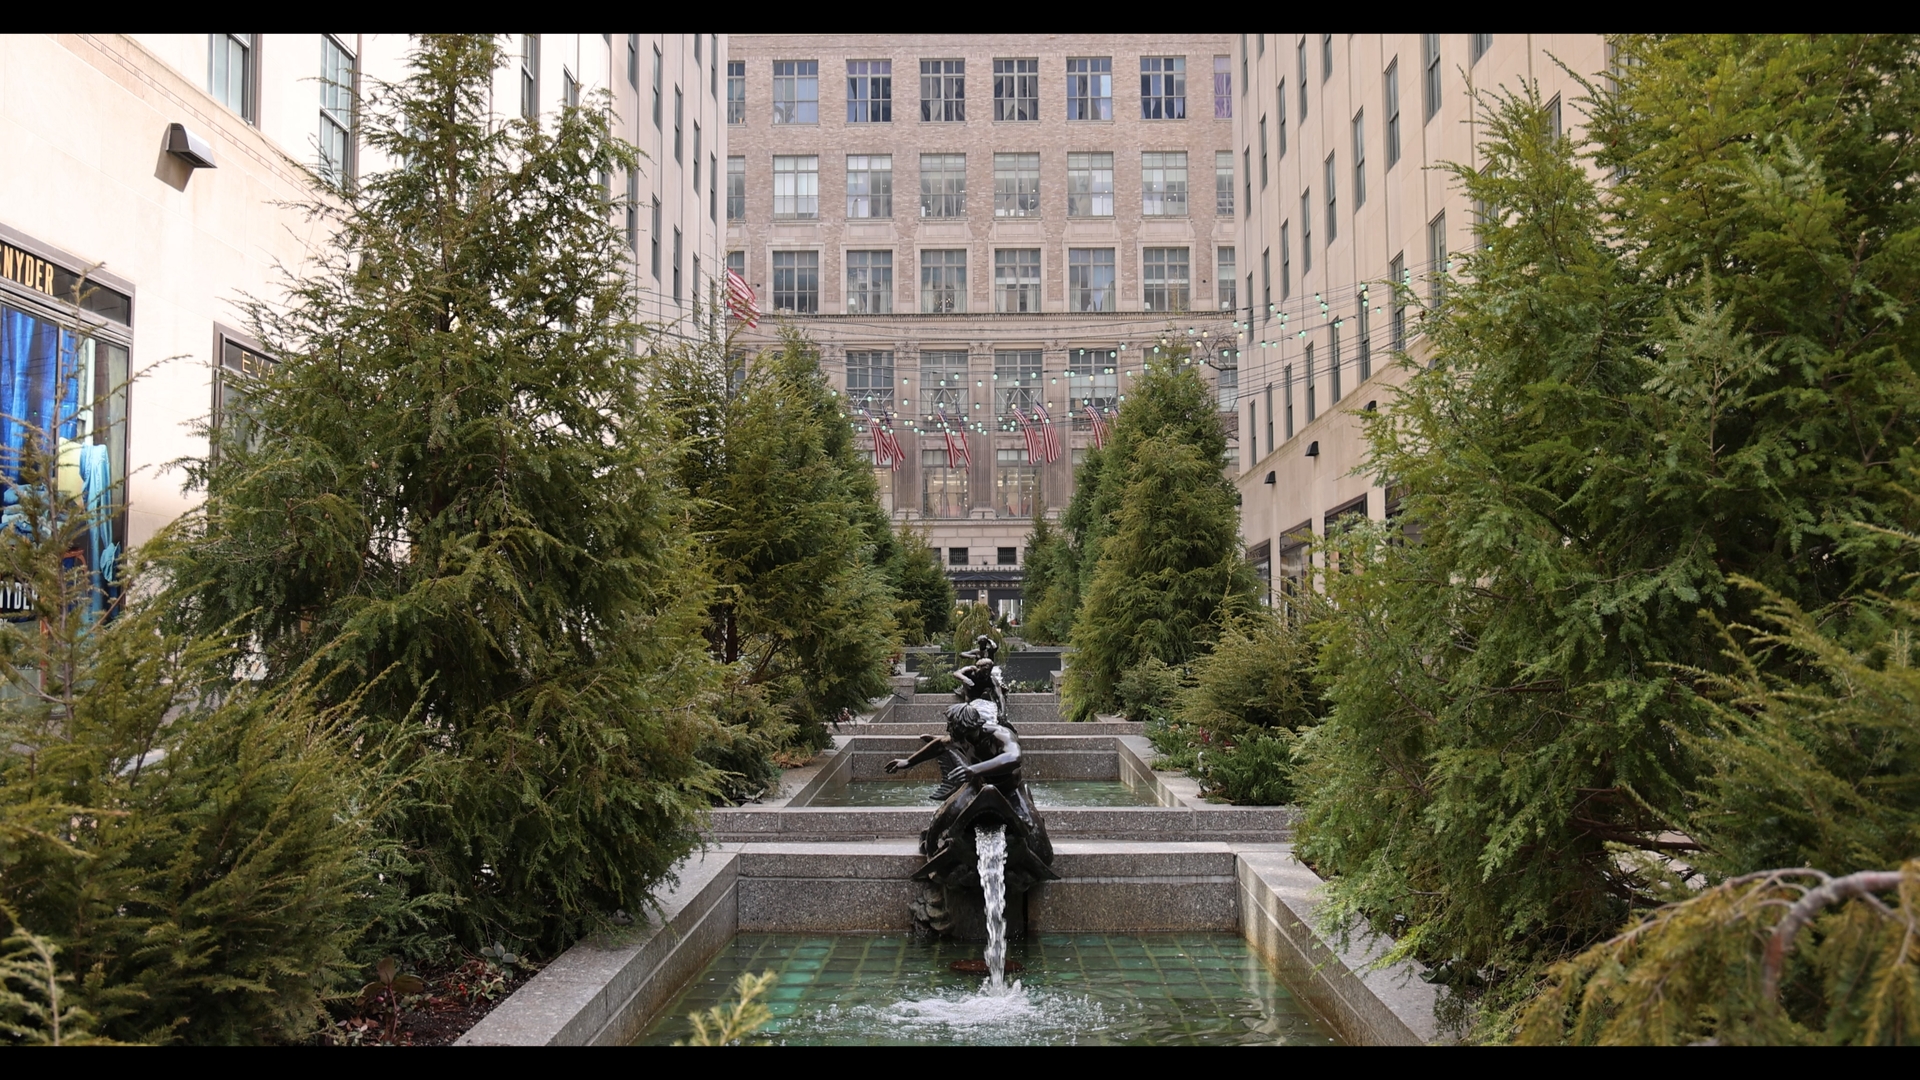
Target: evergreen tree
{"points": [[1638, 390], [197, 857], [1164, 532], [1050, 587], [925, 610], [803, 611], [452, 485], [1246, 704]]}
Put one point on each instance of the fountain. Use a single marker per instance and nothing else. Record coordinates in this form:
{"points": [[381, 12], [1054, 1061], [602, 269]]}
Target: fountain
{"points": [[982, 795]]}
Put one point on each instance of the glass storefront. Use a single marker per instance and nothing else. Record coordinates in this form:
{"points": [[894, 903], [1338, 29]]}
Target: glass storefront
{"points": [[63, 400]]}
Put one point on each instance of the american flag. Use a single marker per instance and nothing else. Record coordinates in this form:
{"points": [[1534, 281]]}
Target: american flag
{"points": [[1049, 438], [886, 448], [1036, 446], [958, 451], [1099, 426], [740, 300]]}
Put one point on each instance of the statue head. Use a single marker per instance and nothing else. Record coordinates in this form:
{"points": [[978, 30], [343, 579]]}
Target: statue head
{"points": [[963, 719], [984, 646]]}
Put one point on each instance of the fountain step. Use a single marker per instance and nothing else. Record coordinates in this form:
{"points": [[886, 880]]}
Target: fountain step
{"points": [[1205, 823]]}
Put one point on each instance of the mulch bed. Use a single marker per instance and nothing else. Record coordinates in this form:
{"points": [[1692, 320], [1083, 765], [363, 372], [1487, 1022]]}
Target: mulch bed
{"points": [[459, 993]]}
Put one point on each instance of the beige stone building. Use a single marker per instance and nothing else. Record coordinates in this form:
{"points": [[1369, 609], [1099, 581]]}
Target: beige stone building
{"points": [[158, 163], [973, 225], [1338, 139]]}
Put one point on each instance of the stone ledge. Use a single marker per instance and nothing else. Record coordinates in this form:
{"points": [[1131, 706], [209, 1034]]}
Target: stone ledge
{"points": [[1370, 1005], [602, 990]]}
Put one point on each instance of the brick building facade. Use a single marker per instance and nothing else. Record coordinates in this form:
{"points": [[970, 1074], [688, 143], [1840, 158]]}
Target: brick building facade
{"points": [[970, 225]]}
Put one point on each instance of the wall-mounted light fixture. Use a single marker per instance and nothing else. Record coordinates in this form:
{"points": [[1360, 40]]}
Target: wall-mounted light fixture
{"points": [[1269, 479], [1313, 448], [190, 148]]}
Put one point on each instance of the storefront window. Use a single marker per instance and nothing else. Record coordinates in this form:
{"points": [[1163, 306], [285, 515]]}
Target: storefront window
{"points": [[943, 490], [63, 398]]}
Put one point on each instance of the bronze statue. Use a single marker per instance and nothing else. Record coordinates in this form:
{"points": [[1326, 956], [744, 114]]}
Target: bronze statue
{"points": [[981, 786]]}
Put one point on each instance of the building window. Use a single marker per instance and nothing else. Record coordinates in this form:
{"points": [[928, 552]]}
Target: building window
{"points": [[1392, 92], [1430, 48], [676, 266], [1018, 383], [1280, 104], [1163, 183], [943, 185], [1359, 159], [1016, 89], [1225, 276], [1009, 556], [1553, 117], [238, 365], [1306, 235], [1016, 185], [737, 262], [658, 66], [943, 494], [230, 74], [1333, 362], [1263, 155], [1326, 57], [713, 69], [1266, 275], [736, 189], [1307, 361], [957, 556], [633, 61], [1016, 279], [696, 282], [1286, 263], [1163, 88], [1016, 486], [1089, 185], [1222, 88], [1286, 399], [696, 50], [1093, 378], [870, 285], [696, 160], [870, 378], [1090, 88], [1226, 399], [679, 118], [1090, 279], [713, 187], [1437, 258], [1300, 63], [1223, 183], [1333, 220], [869, 185], [1246, 174], [1480, 43], [633, 211], [943, 90], [869, 91], [569, 88], [943, 386], [530, 76], [796, 91], [736, 91], [1396, 273], [1164, 279], [943, 281], [1364, 339], [796, 281], [336, 112], [796, 186]]}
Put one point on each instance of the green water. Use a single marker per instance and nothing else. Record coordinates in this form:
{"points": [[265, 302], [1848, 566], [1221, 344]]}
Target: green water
{"points": [[1077, 989], [1048, 794]]}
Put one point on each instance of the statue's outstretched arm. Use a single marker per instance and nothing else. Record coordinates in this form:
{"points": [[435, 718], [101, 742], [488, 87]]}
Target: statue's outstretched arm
{"points": [[930, 749]]}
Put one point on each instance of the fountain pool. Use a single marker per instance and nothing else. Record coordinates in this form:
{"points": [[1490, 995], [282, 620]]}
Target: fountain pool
{"points": [[1183, 989]]}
